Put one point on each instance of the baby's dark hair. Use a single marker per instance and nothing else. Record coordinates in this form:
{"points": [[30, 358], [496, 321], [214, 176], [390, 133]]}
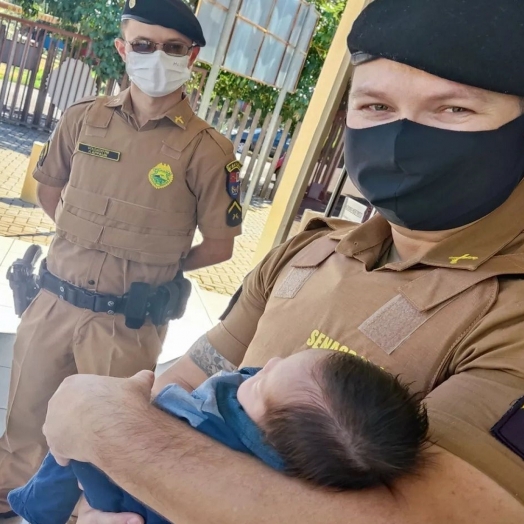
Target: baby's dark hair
{"points": [[362, 429]]}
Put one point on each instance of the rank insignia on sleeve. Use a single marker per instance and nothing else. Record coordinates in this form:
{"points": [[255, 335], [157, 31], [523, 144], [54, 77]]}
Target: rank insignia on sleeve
{"points": [[509, 430], [43, 154], [233, 179], [234, 214], [161, 176]]}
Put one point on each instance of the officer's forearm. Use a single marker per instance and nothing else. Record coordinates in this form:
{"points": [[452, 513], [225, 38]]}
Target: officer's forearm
{"points": [[48, 198], [209, 253], [198, 364], [153, 456]]}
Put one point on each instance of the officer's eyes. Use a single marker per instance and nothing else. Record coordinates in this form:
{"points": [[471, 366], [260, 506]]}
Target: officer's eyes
{"points": [[143, 46], [457, 109], [176, 49], [171, 48], [377, 107]]}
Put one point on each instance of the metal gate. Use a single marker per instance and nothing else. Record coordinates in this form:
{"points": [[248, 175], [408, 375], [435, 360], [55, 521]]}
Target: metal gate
{"points": [[42, 69]]}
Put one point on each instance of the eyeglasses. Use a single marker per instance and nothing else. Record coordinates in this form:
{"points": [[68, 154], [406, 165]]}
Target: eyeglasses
{"points": [[147, 47]]}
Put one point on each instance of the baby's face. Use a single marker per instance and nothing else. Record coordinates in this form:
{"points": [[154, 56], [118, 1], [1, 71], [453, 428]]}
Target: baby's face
{"points": [[280, 381]]}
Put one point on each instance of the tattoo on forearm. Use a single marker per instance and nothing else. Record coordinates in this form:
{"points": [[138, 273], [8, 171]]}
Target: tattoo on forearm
{"points": [[208, 359]]}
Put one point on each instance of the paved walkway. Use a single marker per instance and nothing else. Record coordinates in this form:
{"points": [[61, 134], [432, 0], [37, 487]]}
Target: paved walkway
{"points": [[26, 222]]}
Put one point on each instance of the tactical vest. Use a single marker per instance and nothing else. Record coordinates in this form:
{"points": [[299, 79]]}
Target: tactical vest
{"points": [[129, 197]]}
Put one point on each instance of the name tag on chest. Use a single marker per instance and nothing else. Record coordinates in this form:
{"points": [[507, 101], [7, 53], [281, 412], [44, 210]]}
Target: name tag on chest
{"points": [[99, 152]]}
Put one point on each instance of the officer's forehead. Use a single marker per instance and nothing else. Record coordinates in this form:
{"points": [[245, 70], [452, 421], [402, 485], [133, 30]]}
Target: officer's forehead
{"points": [[134, 29], [382, 76]]}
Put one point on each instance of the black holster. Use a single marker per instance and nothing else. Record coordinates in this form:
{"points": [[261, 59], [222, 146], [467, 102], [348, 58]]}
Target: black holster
{"points": [[22, 279]]}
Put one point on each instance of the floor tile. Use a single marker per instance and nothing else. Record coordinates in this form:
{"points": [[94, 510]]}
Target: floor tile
{"points": [[5, 374], [3, 414], [8, 320], [5, 245], [6, 295], [6, 349]]}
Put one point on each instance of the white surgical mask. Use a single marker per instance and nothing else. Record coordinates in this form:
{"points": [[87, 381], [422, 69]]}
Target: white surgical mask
{"points": [[157, 74]]}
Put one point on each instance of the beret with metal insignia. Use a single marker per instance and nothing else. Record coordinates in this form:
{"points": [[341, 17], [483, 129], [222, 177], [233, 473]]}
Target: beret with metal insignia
{"points": [[474, 42], [173, 14]]}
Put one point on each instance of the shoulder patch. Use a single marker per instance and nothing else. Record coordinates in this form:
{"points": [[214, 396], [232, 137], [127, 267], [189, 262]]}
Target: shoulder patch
{"points": [[43, 154], [509, 430], [234, 214], [233, 179]]}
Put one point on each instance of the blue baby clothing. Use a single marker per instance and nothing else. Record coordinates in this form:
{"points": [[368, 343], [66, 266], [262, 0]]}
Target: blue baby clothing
{"points": [[213, 409]]}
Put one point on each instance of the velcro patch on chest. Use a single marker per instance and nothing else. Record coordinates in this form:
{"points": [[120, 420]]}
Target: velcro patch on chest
{"points": [[509, 430], [394, 322], [294, 282], [100, 152]]}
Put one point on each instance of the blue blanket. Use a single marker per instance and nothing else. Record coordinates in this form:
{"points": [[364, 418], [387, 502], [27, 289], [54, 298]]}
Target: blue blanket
{"points": [[213, 409]]}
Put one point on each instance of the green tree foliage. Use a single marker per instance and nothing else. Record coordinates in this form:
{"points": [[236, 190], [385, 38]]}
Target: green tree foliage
{"points": [[100, 20], [264, 97]]}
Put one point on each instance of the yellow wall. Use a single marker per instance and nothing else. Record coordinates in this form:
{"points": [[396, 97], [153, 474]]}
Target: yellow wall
{"points": [[317, 123], [29, 188]]}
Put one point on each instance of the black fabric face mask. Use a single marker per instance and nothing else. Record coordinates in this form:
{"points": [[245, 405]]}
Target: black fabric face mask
{"points": [[429, 179]]}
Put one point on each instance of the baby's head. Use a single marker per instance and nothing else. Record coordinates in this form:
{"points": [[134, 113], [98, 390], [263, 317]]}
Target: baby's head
{"points": [[337, 420]]}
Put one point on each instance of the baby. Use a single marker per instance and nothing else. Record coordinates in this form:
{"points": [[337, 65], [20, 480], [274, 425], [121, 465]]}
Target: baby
{"points": [[326, 417]]}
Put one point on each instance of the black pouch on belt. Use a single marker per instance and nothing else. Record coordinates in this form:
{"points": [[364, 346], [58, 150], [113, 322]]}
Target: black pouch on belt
{"points": [[137, 305], [171, 300]]}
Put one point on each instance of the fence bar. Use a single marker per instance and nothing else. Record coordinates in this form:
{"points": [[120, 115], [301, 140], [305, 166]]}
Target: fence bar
{"points": [[223, 114], [233, 120], [276, 158], [242, 127], [284, 165], [256, 153], [250, 135], [7, 83]]}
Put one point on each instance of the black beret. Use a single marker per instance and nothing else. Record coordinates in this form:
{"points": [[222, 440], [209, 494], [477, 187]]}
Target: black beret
{"points": [[474, 42], [173, 14]]}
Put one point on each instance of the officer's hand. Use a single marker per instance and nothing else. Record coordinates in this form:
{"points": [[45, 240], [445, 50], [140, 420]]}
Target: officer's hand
{"points": [[85, 410], [86, 515]]}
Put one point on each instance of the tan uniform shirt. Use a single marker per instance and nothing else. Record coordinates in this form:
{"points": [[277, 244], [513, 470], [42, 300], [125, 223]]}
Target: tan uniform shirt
{"points": [[451, 323], [121, 159]]}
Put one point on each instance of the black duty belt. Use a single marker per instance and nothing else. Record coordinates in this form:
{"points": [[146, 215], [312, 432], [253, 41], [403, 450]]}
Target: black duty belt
{"points": [[161, 304], [82, 298]]}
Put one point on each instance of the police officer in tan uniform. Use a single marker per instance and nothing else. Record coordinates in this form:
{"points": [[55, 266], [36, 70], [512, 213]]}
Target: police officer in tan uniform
{"points": [[431, 289], [127, 179]]}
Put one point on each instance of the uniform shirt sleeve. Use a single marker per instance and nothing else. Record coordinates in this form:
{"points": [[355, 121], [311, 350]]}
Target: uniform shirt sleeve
{"points": [[207, 178], [233, 335], [486, 379], [54, 165]]}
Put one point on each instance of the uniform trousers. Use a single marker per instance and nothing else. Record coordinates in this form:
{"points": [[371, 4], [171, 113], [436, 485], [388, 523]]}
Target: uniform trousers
{"points": [[55, 340]]}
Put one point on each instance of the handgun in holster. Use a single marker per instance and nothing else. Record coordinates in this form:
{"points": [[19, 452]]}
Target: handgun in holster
{"points": [[22, 279]]}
